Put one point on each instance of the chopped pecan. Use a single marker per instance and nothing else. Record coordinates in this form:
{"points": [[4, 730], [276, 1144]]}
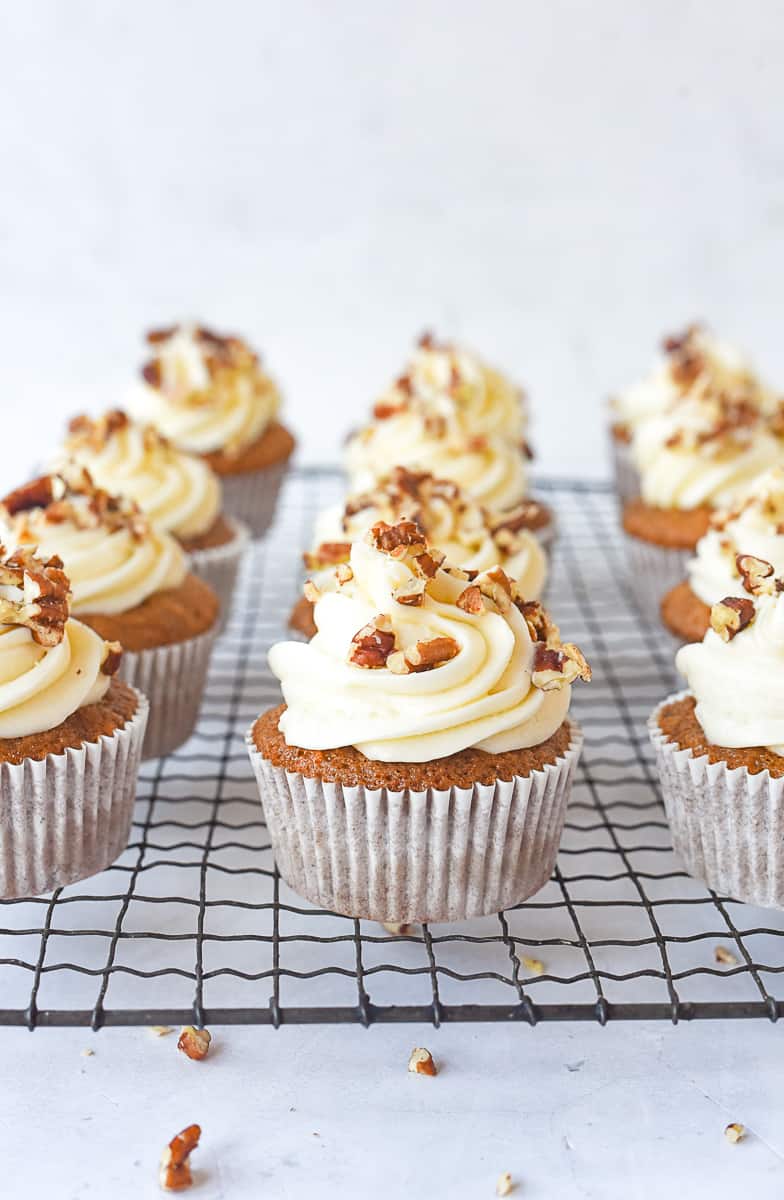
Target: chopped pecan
{"points": [[327, 555], [44, 603], [152, 372], [426, 341], [384, 409], [38, 493], [555, 666], [528, 514], [175, 1171], [421, 1062], [343, 573], [731, 615], [471, 601], [431, 652], [735, 1132], [373, 644], [504, 1184], [427, 563], [725, 957], [155, 336], [112, 658], [396, 539], [310, 591], [756, 574], [95, 433], [495, 585], [541, 627], [411, 592], [194, 1043]]}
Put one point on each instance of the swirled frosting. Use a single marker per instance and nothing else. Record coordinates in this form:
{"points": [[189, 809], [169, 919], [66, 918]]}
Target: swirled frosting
{"points": [[453, 416], [694, 360], [753, 525], [204, 391], [112, 555], [178, 492], [739, 683], [468, 535], [413, 662]]}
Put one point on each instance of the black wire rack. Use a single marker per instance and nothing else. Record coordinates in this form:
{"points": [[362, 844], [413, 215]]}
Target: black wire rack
{"points": [[194, 925]]}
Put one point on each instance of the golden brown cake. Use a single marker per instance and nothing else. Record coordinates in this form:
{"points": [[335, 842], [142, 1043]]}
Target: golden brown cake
{"points": [[684, 614]]}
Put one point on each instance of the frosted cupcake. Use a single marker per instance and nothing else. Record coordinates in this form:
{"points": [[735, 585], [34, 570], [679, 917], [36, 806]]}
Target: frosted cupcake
{"points": [[130, 583], [70, 735], [753, 525], [468, 535], [720, 746], [692, 460], [693, 362], [451, 415], [421, 765], [210, 395], [179, 493]]}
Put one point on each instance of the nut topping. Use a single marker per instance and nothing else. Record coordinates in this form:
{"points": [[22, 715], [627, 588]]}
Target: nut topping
{"points": [[310, 591], [112, 658], [725, 957], [71, 495], [394, 540], [735, 1132], [555, 666], [175, 1172], [731, 615], [411, 593], [424, 656], [505, 1185], [756, 574], [373, 644], [194, 1043], [471, 601], [44, 601], [421, 1062]]}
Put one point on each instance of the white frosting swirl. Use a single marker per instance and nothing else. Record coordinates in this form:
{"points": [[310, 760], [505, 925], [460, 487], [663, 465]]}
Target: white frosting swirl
{"points": [[110, 571], [755, 525], [178, 492], [483, 697], [739, 685], [212, 393], [453, 416], [39, 687]]}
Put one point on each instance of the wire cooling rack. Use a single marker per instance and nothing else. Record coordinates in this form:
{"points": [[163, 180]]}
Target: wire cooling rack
{"points": [[193, 924]]}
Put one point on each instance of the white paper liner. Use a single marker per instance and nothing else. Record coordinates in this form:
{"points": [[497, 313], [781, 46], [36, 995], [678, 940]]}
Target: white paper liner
{"points": [[251, 496], [219, 565], [173, 679], [68, 816], [727, 824], [653, 570], [627, 477], [416, 855]]}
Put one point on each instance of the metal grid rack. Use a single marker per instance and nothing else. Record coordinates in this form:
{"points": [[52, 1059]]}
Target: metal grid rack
{"points": [[193, 924]]}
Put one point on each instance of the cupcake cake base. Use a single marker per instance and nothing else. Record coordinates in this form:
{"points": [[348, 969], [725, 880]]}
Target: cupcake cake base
{"points": [[684, 614], [659, 545]]}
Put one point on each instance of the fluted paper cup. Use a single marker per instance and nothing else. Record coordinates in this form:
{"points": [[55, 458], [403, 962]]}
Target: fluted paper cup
{"points": [[251, 496], [727, 824], [652, 571], [219, 565], [416, 855], [68, 816], [627, 477], [173, 679]]}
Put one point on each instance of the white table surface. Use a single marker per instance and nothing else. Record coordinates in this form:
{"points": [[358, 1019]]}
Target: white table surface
{"points": [[633, 1112]]}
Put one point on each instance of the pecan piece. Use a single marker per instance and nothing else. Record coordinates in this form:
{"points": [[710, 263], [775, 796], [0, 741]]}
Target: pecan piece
{"points": [[194, 1043], [541, 627], [152, 372], [395, 540], [175, 1171], [410, 593], [155, 336], [44, 603], [756, 574], [471, 601], [495, 585], [731, 615], [38, 493], [430, 653], [421, 1062], [343, 573], [112, 658], [310, 591], [555, 666], [427, 563], [373, 644]]}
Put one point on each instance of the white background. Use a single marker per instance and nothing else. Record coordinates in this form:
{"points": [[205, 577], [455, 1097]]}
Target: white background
{"points": [[556, 183]]}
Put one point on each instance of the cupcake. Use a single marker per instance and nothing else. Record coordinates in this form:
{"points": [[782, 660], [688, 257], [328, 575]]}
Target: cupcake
{"points": [[70, 735], [209, 395], [753, 525], [693, 361], [693, 459], [177, 491], [421, 765], [451, 415], [720, 746], [130, 583], [469, 536]]}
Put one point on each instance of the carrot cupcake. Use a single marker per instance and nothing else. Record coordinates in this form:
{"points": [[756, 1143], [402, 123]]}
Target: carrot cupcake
{"points": [[420, 767], [210, 395], [720, 747], [452, 415], [70, 735], [753, 525], [130, 583], [692, 460], [469, 536], [179, 493], [694, 360]]}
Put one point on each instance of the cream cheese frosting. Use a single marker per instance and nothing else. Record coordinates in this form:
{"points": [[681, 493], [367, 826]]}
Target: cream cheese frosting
{"points": [[738, 677], [46, 672], [465, 532], [413, 661], [753, 525], [453, 416], [114, 558], [204, 391], [179, 493]]}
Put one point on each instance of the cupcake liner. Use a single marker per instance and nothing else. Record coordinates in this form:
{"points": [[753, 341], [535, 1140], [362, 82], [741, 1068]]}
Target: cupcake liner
{"points": [[418, 856], [173, 679], [652, 571], [68, 816], [219, 565], [727, 824], [627, 477], [251, 496]]}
